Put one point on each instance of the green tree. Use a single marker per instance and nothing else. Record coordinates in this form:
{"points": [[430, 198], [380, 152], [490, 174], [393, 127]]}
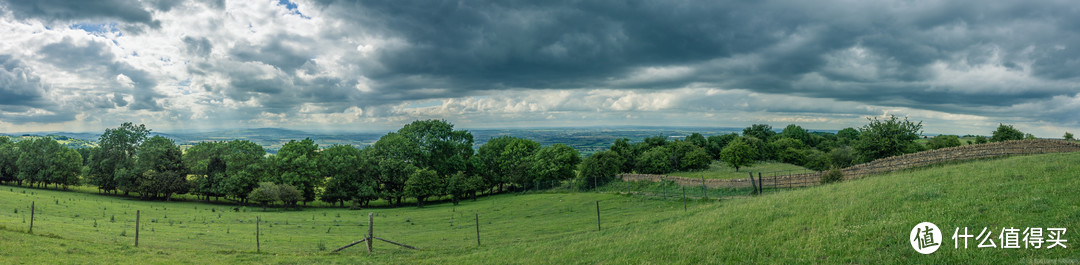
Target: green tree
{"points": [[760, 131], [504, 160], [698, 140], [686, 156], [943, 141], [244, 165], [296, 164], [289, 195], [847, 135], [69, 164], [816, 159], [205, 160], [655, 161], [265, 194], [738, 154], [423, 183], [980, 139], [842, 157], [442, 148], [554, 163], [760, 148], [654, 141], [787, 150], [626, 151], [1005, 133], [718, 142], [349, 172], [394, 157], [1068, 136], [598, 169], [457, 186], [885, 138], [8, 157], [798, 133], [36, 160], [113, 167], [162, 166], [1029, 136]]}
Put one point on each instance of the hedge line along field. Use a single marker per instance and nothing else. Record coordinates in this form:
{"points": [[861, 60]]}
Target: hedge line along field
{"points": [[860, 221]]}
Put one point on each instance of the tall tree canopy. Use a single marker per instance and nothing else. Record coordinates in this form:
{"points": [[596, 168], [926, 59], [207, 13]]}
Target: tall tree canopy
{"points": [[112, 166], [296, 164], [161, 170], [885, 138], [350, 175], [441, 147]]}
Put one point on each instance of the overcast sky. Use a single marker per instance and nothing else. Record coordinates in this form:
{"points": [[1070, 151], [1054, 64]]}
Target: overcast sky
{"points": [[959, 66]]}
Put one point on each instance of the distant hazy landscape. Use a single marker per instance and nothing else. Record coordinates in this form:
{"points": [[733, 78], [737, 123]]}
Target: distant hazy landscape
{"points": [[585, 140]]}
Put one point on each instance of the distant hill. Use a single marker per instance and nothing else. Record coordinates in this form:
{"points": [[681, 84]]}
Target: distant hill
{"points": [[586, 140]]}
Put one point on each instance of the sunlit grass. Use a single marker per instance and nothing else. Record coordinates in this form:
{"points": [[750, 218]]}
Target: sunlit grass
{"points": [[865, 221]]}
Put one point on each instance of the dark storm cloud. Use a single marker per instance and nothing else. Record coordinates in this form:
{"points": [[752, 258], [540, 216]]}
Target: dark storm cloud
{"points": [[462, 46], [19, 86], [130, 11], [22, 94], [94, 60]]}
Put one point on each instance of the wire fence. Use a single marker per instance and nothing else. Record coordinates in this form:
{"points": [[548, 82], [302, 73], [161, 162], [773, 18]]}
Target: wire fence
{"points": [[804, 178]]}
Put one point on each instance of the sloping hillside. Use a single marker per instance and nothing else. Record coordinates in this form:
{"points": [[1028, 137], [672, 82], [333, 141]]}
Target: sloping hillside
{"points": [[865, 221]]}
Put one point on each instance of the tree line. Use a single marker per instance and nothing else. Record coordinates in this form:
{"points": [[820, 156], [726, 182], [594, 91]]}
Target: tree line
{"points": [[428, 159], [819, 151], [423, 160]]}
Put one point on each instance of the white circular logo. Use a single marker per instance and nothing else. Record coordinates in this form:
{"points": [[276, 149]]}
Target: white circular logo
{"points": [[925, 238]]}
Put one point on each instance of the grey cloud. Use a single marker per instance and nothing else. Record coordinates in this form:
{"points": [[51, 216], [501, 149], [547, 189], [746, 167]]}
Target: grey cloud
{"points": [[482, 45], [22, 95], [200, 47], [19, 86], [93, 59], [273, 53], [130, 11]]}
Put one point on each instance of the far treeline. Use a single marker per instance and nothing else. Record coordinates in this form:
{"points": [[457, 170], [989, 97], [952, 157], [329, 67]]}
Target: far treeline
{"points": [[427, 159]]}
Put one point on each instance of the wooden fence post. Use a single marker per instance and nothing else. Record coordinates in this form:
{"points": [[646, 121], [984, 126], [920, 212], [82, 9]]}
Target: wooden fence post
{"points": [[370, 230], [477, 229], [684, 199], [258, 244], [703, 194], [137, 215], [31, 218], [752, 183], [761, 185], [597, 215]]}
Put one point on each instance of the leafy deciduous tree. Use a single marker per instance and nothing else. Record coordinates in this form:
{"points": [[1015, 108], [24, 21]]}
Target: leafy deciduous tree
{"points": [[1005, 133], [738, 154]]}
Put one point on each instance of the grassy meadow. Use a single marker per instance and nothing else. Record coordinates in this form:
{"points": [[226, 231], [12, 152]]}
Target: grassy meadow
{"points": [[860, 221], [720, 170]]}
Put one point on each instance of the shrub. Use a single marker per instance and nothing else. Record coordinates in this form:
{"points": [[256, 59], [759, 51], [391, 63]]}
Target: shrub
{"points": [[833, 175], [1005, 133], [943, 141]]}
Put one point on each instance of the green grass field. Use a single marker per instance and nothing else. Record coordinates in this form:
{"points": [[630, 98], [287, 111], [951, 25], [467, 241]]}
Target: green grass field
{"points": [[864, 221], [720, 170]]}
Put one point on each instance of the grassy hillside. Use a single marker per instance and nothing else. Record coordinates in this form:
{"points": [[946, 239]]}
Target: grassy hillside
{"points": [[861, 221], [720, 170]]}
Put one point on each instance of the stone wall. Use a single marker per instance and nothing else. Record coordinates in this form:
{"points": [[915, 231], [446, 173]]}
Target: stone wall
{"points": [[888, 164]]}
